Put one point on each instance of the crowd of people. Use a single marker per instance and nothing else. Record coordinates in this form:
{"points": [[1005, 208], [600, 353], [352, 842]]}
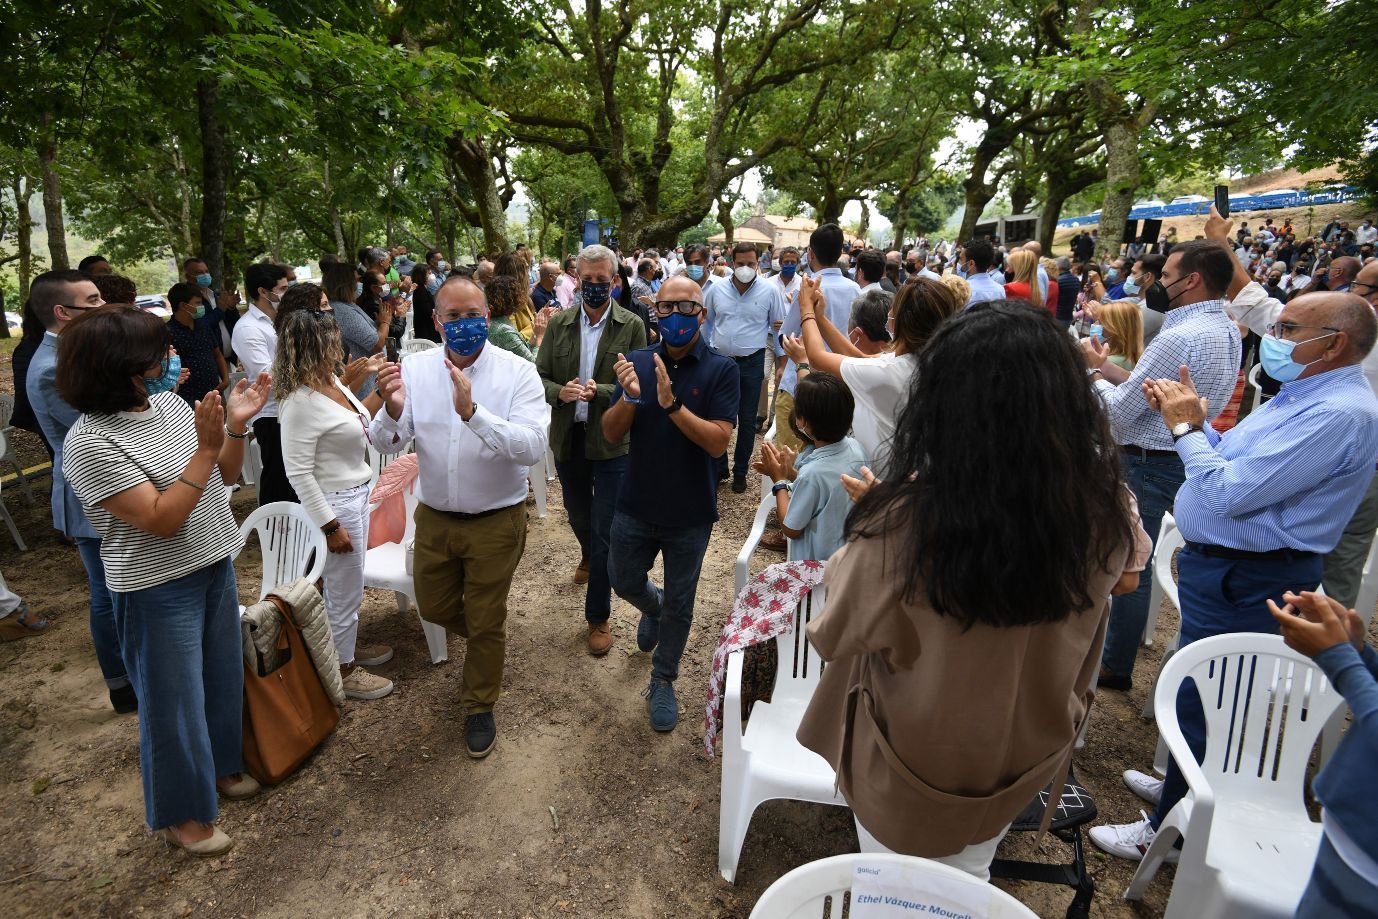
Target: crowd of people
{"points": [[981, 442]]}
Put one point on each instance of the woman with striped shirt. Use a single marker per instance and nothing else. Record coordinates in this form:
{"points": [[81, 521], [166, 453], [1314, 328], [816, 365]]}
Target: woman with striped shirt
{"points": [[150, 470]]}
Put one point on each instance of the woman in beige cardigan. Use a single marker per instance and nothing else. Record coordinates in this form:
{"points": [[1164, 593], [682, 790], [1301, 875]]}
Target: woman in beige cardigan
{"points": [[965, 613]]}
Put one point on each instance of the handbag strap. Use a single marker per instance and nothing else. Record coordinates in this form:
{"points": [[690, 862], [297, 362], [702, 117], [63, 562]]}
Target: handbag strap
{"points": [[285, 610]]}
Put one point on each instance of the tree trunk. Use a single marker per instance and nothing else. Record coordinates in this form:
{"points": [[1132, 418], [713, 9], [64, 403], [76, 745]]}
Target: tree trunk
{"points": [[728, 227], [831, 211], [212, 136], [52, 196], [471, 158], [1049, 216], [865, 226], [976, 196], [901, 218], [1122, 167], [336, 226], [22, 187]]}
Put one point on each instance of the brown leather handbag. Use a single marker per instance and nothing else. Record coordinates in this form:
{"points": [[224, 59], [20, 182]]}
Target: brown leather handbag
{"points": [[287, 712]]}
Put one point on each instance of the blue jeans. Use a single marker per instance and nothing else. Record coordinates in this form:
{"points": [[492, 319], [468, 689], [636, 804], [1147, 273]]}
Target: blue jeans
{"points": [[104, 635], [1219, 596], [1154, 481], [633, 549], [751, 375], [1335, 890], [590, 494], [182, 646]]}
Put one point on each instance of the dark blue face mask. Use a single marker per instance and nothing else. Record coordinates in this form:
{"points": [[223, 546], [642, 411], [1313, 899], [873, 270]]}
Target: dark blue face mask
{"points": [[595, 293], [677, 329], [465, 336], [787, 272]]}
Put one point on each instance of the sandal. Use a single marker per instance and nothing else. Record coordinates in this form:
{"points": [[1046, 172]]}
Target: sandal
{"points": [[22, 624]]}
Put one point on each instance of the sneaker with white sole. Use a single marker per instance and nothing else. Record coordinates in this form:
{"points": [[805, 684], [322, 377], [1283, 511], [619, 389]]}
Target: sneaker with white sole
{"points": [[1129, 840], [360, 684], [372, 655], [1148, 787]]}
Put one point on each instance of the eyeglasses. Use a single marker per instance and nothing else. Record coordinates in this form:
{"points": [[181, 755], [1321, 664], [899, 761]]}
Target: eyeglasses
{"points": [[1354, 284], [1283, 329], [683, 307]]}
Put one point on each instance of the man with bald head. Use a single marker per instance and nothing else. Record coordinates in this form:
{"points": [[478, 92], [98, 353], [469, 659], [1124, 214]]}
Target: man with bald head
{"points": [[1263, 503], [1342, 272], [679, 401], [478, 418]]}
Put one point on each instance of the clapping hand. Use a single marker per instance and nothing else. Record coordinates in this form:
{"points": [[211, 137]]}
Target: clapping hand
{"points": [[794, 348], [463, 391], [627, 378], [573, 391], [210, 424], [1176, 400], [665, 394], [354, 372], [389, 383], [246, 399], [1095, 352], [810, 297], [776, 463], [857, 487], [1311, 623]]}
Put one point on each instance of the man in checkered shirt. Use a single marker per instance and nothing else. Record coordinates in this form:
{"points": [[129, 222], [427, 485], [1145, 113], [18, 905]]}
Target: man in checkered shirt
{"points": [[1198, 334]]}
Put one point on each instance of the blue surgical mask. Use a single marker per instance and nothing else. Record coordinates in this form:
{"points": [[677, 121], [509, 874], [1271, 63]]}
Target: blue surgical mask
{"points": [[467, 335], [1131, 286], [1276, 357], [1112, 275], [199, 311], [172, 369], [787, 272], [1098, 331], [595, 293], [695, 272], [358, 289], [677, 329], [204, 279]]}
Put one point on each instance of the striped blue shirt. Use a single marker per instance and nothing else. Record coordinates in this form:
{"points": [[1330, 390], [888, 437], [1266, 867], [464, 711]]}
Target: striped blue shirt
{"points": [[1199, 335], [1288, 476], [740, 323]]}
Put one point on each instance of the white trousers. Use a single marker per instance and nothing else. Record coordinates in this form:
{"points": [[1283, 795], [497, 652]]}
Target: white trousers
{"points": [[9, 600], [975, 859], [344, 572]]}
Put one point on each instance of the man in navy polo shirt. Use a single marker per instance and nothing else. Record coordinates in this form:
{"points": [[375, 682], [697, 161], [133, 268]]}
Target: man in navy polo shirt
{"points": [[679, 400]]}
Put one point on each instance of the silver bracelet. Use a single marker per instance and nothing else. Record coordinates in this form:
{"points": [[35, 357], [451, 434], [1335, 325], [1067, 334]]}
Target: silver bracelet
{"points": [[229, 433]]}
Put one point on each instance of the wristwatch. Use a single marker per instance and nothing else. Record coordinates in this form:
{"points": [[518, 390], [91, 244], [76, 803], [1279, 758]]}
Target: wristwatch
{"points": [[674, 406], [471, 414], [780, 486], [1182, 429]]}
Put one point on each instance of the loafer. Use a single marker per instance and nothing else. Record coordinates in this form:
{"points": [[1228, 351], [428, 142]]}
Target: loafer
{"points": [[739, 484], [662, 704], [600, 638], [480, 734], [581, 573], [216, 844], [1115, 681], [123, 700]]}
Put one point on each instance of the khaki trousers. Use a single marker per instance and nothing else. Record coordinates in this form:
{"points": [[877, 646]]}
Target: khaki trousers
{"points": [[784, 434], [462, 573]]}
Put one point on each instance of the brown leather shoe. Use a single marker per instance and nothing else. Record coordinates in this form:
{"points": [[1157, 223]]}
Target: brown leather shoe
{"points": [[600, 638], [581, 574]]}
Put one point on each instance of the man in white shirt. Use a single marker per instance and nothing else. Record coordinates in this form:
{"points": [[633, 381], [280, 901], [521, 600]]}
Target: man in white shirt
{"points": [[478, 417], [1366, 233], [255, 343]]}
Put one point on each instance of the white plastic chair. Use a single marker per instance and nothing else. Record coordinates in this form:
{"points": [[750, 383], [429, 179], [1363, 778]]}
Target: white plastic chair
{"points": [[7, 454], [293, 546], [822, 889], [766, 761], [385, 568], [742, 568], [539, 478], [1363, 605], [9, 521], [252, 469], [1248, 842], [235, 377], [1169, 541], [1259, 396], [1158, 588], [417, 345]]}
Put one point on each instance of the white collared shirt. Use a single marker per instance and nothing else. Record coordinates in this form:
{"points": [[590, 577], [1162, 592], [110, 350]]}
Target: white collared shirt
{"points": [[589, 335], [480, 465], [255, 342]]}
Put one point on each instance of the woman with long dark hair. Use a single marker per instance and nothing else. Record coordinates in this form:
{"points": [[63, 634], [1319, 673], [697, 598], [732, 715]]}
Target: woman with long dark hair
{"points": [[966, 611]]}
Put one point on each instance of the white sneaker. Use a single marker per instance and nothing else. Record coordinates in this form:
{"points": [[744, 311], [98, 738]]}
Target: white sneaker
{"points": [[360, 684], [1148, 787], [1129, 840], [372, 655]]}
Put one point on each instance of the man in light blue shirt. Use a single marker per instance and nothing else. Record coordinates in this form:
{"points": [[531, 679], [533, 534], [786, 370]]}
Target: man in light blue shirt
{"points": [[1263, 503], [744, 313], [825, 248], [977, 258]]}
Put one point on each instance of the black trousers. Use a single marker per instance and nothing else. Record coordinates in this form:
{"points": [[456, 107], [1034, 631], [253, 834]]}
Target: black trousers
{"points": [[272, 481]]}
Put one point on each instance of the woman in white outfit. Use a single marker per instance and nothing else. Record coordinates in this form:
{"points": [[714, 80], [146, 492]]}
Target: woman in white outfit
{"points": [[325, 452]]}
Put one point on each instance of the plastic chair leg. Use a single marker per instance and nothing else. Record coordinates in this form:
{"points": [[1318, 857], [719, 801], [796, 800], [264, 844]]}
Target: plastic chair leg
{"points": [[403, 601], [14, 530], [734, 818], [19, 474], [1167, 837], [538, 485], [437, 640]]}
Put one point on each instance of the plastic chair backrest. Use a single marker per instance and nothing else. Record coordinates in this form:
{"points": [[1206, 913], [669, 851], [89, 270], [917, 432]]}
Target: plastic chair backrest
{"points": [[1368, 587], [1168, 544], [417, 345], [1265, 705], [799, 664], [6, 409], [292, 545], [818, 890]]}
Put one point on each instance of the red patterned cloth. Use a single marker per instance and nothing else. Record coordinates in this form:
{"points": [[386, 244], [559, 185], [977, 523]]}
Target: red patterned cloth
{"points": [[764, 609]]}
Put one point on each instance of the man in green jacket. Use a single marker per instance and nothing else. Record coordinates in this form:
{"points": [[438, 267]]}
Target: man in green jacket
{"points": [[576, 365]]}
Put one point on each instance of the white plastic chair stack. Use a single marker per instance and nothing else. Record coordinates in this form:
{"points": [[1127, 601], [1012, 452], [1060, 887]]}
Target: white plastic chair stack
{"points": [[292, 545], [253, 461], [385, 568], [1248, 842], [823, 889], [766, 761], [742, 568], [7, 454]]}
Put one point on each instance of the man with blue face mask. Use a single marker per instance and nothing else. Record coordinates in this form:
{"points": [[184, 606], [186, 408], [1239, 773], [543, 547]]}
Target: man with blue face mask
{"points": [[678, 400], [478, 419], [1263, 503]]}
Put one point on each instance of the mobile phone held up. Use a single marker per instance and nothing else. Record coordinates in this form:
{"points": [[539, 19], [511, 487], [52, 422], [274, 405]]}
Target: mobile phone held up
{"points": [[1222, 200]]}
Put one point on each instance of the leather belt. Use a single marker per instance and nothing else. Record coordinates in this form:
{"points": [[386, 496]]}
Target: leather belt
{"points": [[1273, 555], [460, 515], [1144, 452]]}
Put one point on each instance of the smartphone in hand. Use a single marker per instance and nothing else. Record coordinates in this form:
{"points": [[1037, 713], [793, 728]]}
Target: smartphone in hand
{"points": [[1222, 200]]}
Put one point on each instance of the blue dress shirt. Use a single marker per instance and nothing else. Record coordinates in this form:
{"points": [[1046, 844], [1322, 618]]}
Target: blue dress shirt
{"points": [[740, 323], [838, 293], [1288, 476], [56, 418], [984, 288]]}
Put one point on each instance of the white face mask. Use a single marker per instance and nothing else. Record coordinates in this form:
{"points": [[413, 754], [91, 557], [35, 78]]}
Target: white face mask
{"points": [[387, 289], [744, 274]]}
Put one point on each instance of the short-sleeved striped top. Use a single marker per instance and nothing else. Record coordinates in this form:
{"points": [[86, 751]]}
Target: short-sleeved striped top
{"points": [[106, 454]]}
